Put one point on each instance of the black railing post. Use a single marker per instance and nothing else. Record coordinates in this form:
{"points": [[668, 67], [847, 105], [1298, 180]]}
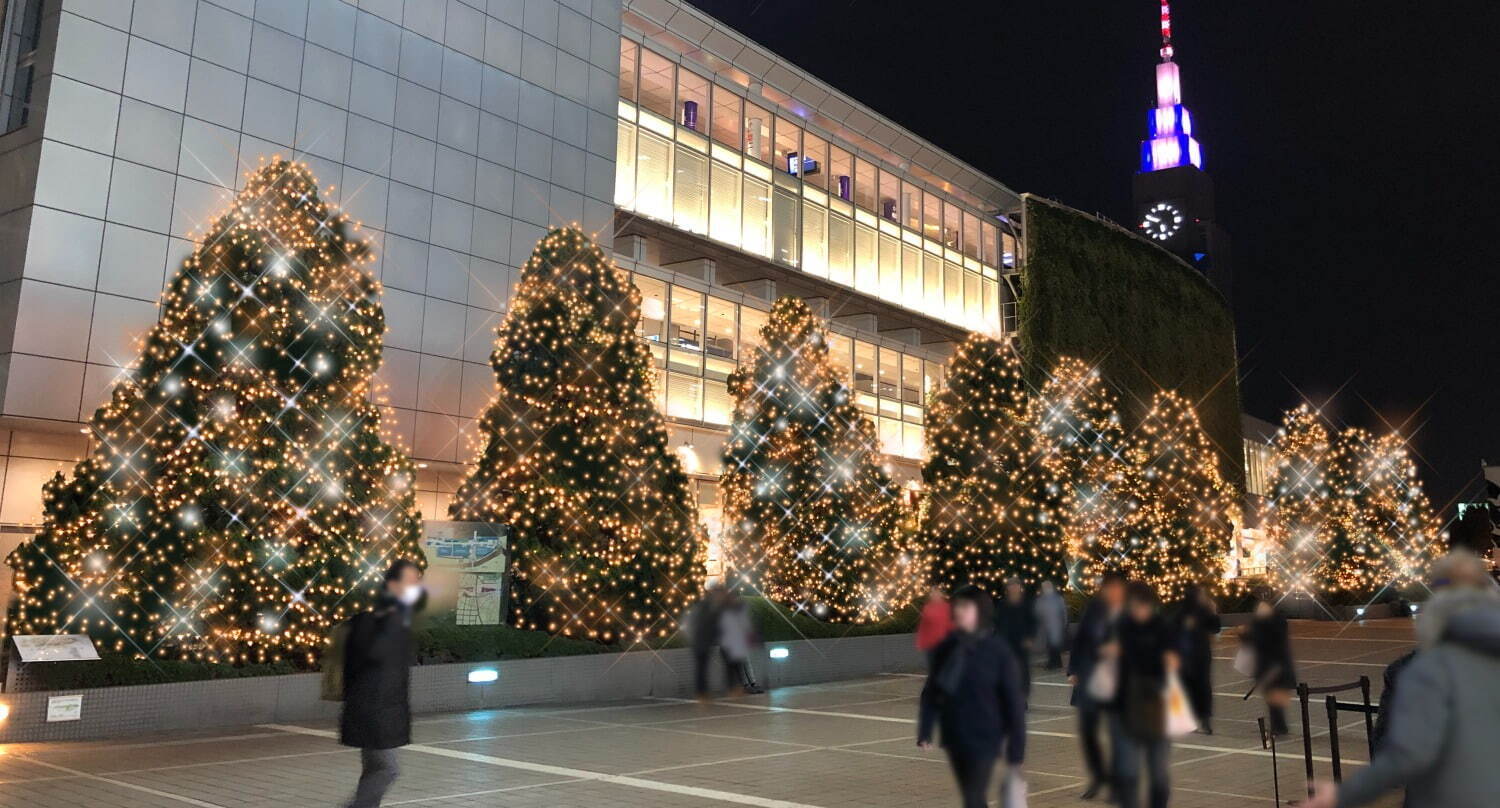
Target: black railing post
{"points": [[1307, 755], [1333, 737], [1364, 690]]}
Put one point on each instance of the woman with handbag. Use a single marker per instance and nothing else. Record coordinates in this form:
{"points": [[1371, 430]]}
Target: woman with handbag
{"points": [[1196, 623], [1269, 639], [1147, 662], [973, 692]]}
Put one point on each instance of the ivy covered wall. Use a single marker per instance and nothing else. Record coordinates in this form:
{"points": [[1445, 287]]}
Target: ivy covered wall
{"points": [[1149, 321]]}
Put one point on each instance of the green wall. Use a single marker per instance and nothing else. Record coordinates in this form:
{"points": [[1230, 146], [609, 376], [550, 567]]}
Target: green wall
{"points": [[1149, 321]]}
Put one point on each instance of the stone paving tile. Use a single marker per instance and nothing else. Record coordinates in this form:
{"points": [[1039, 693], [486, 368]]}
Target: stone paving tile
{"points": [[827, 746]]}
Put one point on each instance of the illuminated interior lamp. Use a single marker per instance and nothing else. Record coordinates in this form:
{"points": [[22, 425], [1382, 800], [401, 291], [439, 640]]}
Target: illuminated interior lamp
{"points": [[481, 676], [4, 711], [1359, 611], [779, 652]]}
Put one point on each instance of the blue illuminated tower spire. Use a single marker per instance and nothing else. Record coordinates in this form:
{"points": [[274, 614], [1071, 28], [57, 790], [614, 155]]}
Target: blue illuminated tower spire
{"points": [[1171, 143]]}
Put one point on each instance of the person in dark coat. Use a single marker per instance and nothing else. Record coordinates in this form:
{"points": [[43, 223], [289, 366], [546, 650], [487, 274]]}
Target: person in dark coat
{"points": [[1147, 652], [973, 693], [378, 655], [704, 631], [1270, 640], [1015, 622], [1196, 623], [1096, 627]]}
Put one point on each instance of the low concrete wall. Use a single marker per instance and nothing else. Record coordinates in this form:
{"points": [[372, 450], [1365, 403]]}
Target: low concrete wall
{"points": [[116, 711]]}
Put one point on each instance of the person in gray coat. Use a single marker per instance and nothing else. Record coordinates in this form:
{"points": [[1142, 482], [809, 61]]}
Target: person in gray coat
{"points": [[1444, 728], [1052, 623]]}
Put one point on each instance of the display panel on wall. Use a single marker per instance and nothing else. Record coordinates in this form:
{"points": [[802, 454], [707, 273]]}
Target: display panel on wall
{"points": [[466, 567]]}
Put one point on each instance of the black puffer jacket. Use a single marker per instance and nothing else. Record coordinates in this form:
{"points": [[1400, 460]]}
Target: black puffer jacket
{"points": [[377, 678]]}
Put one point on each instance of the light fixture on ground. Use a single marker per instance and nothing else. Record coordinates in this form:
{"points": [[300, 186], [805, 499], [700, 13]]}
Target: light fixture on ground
{"points": [[480, 676], [779, 652]]}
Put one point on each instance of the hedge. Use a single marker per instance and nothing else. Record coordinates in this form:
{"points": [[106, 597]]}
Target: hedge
{"points": [[1149, 321]]}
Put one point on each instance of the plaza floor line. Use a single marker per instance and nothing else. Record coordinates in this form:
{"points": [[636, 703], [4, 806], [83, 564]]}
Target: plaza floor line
{"points": [[121, 783], [485, 793], [564, 771]]}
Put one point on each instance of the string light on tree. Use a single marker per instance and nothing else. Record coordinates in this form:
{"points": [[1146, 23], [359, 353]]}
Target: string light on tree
{"points": [[576, 458], [239, 498], [812, 519], [1301, 512], [993, 504]]}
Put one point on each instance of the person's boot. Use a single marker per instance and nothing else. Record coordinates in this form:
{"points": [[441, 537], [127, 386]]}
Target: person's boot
{"points": [[1092, 790], [1278, 722]]}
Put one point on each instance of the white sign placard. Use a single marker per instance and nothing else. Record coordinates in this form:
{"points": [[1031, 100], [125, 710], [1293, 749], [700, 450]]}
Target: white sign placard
{"points": [[55, 647], [65, 708]]}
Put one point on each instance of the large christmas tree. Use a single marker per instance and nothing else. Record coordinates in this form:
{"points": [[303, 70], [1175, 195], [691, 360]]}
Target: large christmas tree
{"points": [[1302, 511], [576, 458], [1386, 529], [239, 498], [1082, 442], [993, 508], [811, 518], [1180, 529]]}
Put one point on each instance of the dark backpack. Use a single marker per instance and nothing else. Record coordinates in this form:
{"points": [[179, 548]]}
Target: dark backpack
{"points": [[333, 662]]}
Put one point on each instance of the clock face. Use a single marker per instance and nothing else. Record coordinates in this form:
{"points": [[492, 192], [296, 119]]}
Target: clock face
{"points": [[1162, 221]]}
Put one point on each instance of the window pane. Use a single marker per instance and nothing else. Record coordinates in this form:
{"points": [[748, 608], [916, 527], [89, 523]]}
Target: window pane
{"points": [[720, 343], [653, 183], [658, 81], [724, 217], [757, 133], [953, 293], [915, 445], [864, 367], [889, 379], [784, 226], [991, 245], [911, 380], [685, 331], [866, 263], [991, 306], [717, 404], [684, 396], [971, 236], [728, 118], [840, 250], [1008, 250], [788, 146], [890, 189], [814, 160], [815, 239], [932, 284], [690, 195], [629, 56], [891, 438], [973, 301], [911, 206], [757, 230], [653, 324], [625, 164], [932, 377], [751, 323], [932, 216], [890, 268], [952, 217], [865, 190], [840, 174], [911, 277], [692, 100], [841, 356]]}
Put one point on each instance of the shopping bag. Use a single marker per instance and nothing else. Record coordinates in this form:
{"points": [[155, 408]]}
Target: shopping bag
{"points": [[1244, 661], [1104, 681], [1013, 790], [1180, 718]]}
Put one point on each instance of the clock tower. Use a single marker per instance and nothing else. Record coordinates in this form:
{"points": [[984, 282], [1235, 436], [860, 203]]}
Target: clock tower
{"points": [[1174, 197]]}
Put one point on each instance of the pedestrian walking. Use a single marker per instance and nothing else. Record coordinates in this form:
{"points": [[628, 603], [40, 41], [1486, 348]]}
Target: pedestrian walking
{"points": [[1015, 620], [1052, 623], [704, 628], [736, 638], [934, 624], [1269, 639], [973, 694], [1147, 653], [378, 655], [1445, 727], [1096, 628], [1196, 623]]}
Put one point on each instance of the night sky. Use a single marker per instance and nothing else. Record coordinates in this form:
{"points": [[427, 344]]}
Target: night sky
{"points": [[1355, 147]]}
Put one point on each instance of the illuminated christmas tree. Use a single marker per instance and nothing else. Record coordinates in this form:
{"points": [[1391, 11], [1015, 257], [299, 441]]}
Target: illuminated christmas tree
{"points": [[1179, 532], [993, 503], [1082, 443], [239, 498], [811, 517], [576, 457], [1386, 530], [1302, 511]]}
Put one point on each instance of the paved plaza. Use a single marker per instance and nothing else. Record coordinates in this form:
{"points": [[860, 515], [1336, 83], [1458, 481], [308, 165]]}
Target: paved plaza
{"points": [[839, 744]]}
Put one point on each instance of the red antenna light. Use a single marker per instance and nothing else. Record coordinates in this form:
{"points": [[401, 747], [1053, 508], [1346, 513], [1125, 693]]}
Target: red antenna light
{"points": [[1166, 31]]}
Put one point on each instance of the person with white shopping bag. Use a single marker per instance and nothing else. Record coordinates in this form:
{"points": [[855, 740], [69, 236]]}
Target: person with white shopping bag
{"points": [[973, 694], [1142, 724], [1096, 629]]}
